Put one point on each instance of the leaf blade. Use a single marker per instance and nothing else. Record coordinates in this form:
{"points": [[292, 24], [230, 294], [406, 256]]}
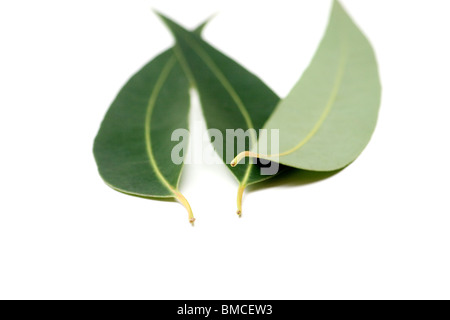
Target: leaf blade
{"points": [[118, 143], [133, 146], [330, 115], [231, 96]]}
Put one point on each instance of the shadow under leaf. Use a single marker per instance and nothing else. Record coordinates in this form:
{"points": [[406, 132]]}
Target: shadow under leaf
{"points": [[162, 199], [292, 178]]}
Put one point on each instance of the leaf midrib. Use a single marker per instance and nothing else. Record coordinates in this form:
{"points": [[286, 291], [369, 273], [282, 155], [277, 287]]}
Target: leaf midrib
{"points": [[328, 107], [148, 116], [231, 91], [223, 81]]}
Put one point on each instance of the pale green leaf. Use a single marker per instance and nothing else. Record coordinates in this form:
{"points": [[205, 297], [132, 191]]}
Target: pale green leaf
{"points": [[329, 116]]}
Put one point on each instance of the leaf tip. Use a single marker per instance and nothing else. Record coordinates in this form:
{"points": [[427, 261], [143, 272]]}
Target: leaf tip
{"points": [[211, 17], [156, 12], [161, 16]]}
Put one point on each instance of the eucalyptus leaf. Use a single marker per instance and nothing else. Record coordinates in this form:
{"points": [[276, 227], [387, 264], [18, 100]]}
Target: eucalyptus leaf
{"points": [[133, 146], [231, 97], [329, 116]]}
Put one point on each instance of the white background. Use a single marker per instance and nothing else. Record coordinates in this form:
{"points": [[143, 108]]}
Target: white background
{"points": [[379, 229]]}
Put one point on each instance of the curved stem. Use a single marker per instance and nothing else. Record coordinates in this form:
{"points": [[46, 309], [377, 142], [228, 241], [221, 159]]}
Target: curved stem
{"points": [[239, 199], [243, 155], [185, 203]]}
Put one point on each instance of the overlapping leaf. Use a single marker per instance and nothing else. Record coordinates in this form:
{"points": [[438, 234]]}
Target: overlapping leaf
{"points": [[324, 123], [329, 117], [231, 97]]}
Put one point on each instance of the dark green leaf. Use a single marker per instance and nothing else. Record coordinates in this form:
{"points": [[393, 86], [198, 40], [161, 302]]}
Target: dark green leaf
{"points": [[231, 97], [133, 146]]}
